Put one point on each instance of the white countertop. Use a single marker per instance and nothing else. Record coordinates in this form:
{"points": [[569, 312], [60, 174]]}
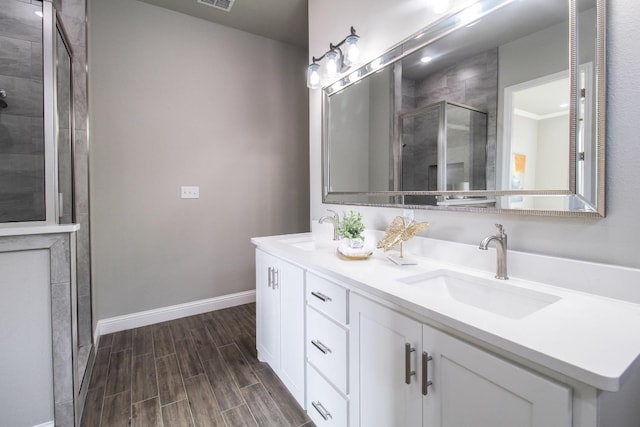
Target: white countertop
{"points": [[590, 338], [26, 230]]}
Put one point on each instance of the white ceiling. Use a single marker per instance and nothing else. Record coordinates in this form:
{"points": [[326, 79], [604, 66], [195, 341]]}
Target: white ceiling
{"points": [[282, 20], [545, 100]]}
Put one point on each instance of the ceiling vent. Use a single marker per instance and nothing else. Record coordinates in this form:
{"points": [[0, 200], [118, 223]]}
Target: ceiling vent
{"points": [[218, 4]]}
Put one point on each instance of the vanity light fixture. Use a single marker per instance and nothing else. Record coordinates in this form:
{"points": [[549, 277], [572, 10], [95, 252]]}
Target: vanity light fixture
{"points": [[426, 59], [335, 61]]}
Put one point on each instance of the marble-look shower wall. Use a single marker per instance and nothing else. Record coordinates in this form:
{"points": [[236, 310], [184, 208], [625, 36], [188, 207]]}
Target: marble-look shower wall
{"points": [[72, 13], [21, 122], [474, 82]]}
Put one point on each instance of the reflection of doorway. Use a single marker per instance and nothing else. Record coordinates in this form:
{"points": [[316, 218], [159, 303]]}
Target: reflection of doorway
{"points": [[537, 129], [536, 125]]}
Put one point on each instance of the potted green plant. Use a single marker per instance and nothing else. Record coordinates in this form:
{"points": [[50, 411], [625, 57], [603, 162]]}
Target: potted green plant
{"points": [[351, 227]]}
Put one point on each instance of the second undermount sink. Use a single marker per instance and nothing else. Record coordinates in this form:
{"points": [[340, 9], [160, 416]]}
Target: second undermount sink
{"points": [[500, 298], [303, 243]]}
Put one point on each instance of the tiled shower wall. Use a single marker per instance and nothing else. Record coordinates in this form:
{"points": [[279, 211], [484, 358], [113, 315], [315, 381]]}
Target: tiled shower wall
{"points": [[72, 13], [21, 122], [473, 82]]}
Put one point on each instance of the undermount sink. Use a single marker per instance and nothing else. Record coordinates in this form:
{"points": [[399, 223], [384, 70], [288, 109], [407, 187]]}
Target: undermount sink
{"points": [[500, 298], [303, 243]]}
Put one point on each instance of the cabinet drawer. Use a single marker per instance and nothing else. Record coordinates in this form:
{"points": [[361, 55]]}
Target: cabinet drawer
{"points": [[327, 297], [327, 348], [325, 405]]}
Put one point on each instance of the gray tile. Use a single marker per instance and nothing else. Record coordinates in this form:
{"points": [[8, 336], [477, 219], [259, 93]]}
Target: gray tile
{"points": [[205, 346], [36, 61], [81, 173], [146, 414], [15, 57], [204, 408], [170, 383], [177, 414], [119, 376], [238, 366], [122, 340], [105, 341], [289, 407], [15, 131], [116, 411], [188, 358], [93, 407], [162, 341], [263, 408], [18, 20], [24, 96], [85, 335], [60, 262], [79, 94], [100, 368], [240, 416], [64, 415], [144, 383], [142, 340], [224, 386]]}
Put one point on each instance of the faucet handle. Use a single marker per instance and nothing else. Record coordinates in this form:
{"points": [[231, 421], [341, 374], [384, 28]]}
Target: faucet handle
{"points": [[500, 229], [335, 214]]}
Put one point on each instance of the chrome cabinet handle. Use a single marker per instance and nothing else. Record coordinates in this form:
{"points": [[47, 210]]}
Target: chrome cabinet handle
{"points": [[425, 373], [321, 410], [270, 281], [276, 278], [323, 348], [407, 363], [320, 296]]}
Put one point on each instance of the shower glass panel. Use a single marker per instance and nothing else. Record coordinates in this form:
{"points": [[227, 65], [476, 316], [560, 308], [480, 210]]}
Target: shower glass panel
{"points": [[64, 130], [22, 171], [444, 148], [466, 146]]}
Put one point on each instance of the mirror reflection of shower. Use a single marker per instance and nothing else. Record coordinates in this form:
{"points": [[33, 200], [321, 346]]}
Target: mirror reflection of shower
{"points": [[3, 95]]}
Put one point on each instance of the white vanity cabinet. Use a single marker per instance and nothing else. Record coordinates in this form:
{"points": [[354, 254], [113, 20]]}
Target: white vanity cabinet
{"points": [[405, 373], [280, 320], [327, 352]]}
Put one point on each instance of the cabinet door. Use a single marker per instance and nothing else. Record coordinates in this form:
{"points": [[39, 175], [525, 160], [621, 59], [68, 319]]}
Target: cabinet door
{"points": [[472, 387], [290, 283], [380, 395], [267, 311]]}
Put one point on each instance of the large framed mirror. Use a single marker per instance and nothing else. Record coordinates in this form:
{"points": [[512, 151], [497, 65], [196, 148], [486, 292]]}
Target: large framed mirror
{"points": [[497, 107]]}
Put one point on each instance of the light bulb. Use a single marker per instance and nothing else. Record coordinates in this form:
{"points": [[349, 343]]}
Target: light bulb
{"points": [[376, 63], [353, 51], [313, 76], [425, 59], [331, 65]]}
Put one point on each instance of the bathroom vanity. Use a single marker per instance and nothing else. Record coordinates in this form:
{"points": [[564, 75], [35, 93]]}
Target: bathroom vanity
{"points": [[444, 343]]}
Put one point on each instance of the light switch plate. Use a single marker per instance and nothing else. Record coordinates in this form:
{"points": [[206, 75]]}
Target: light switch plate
{"points": [[189, 192]]}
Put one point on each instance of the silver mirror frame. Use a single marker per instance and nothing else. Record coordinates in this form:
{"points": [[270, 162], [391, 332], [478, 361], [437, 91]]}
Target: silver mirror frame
{"points": [[440, 29]]}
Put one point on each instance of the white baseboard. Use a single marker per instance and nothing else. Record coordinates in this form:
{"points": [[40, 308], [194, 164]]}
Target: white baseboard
{"points": [[149, 317], [47, 424]]}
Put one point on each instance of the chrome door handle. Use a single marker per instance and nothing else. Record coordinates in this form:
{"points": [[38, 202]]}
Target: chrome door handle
{"points": [[321, 410], [425, 373], [276, 278], [320, 296], [407, 363], [323, 348]]}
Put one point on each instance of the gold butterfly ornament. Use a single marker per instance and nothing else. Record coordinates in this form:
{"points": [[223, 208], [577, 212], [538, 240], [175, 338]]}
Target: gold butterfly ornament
{"points": [[400, 231]]}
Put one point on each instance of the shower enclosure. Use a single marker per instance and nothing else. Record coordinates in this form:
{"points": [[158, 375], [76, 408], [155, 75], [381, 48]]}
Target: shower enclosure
{"points": [[38, 177], [444, 148]]}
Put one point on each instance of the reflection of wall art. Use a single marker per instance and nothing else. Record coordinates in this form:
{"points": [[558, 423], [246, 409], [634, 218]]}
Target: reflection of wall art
{"points": [[517, 176]]}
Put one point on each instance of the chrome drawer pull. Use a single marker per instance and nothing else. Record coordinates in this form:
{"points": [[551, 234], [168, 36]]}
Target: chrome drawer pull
{"points": [[321, 297], [323, 348], [425, 373], [407, 363], [321, 410], [270, 281], [276, 278]]}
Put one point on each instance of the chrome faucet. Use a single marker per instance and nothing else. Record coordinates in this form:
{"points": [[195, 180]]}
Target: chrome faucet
{"points": [[501, 251], [333, 219]]}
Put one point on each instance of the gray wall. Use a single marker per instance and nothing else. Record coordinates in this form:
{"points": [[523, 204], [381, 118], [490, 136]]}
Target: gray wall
{"points": [[21, 123], [180, 101], [613, 239]]}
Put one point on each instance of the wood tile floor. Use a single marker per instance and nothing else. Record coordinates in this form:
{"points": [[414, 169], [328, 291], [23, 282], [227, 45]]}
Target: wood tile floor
{"points": [[196, 371]]}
